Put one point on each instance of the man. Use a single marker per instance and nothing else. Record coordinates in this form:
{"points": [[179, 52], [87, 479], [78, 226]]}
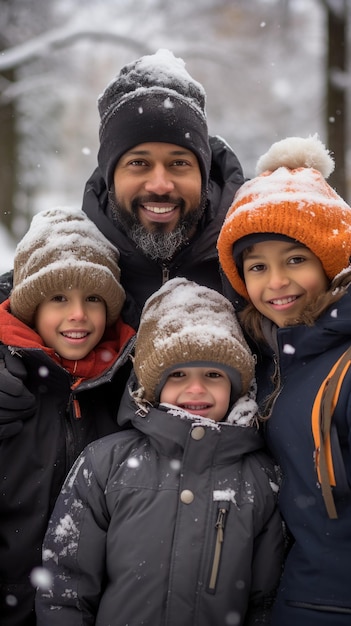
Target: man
{"points": [[162, 186]]}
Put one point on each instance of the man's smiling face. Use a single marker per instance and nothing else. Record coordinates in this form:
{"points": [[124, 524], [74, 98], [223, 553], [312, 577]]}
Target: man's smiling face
{"points": [[158, 196]]}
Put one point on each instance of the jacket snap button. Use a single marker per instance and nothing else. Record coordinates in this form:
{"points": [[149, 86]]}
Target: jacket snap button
{"points": [[198, 433], [187, 496]]}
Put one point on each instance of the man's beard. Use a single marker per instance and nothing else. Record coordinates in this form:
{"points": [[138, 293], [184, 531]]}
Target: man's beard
{"points": [[156, 244]]}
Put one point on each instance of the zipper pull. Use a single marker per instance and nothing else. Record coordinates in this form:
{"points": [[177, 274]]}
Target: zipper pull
{"points": [[76, 409], [73, 407], [165, 274], [218, 547], [220, 524]]}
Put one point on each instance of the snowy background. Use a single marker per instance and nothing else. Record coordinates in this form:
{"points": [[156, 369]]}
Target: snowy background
{"points": [[261, 62]]}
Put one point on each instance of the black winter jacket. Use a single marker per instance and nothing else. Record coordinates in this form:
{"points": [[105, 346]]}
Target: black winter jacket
{"points": [[35, 462], [171, 522], [317, 571]]}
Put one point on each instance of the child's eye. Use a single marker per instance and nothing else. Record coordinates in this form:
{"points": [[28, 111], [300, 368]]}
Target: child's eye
{"points": [[94, 299], [259, 267], [214, 374], [296, 260], [58, 298], [177, 374]]}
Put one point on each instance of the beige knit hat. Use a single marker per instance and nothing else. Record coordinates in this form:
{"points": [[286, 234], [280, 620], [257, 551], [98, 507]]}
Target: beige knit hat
{"points": [[63, 249], [289, 197], [184, 323]]}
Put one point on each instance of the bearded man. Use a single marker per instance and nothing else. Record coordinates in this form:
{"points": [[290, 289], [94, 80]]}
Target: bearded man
{"points": [[163, 186]]}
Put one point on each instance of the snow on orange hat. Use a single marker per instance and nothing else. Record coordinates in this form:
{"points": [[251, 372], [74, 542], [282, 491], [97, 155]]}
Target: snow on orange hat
{"points": [[289, 197]]}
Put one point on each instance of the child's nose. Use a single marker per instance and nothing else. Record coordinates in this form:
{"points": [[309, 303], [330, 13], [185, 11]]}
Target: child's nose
{"points": [[77, 312], [196, 386], [278, 279]]}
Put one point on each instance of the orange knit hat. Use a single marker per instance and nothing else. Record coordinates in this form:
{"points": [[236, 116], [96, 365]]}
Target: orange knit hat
{"points": [[290, 197]]}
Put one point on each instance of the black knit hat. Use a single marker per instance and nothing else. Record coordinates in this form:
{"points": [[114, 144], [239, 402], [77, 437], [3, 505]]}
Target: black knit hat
{"points": [[153, 99]]}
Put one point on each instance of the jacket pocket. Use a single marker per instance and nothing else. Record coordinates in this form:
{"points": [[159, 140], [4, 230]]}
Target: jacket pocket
{"points": [[322, 608]]}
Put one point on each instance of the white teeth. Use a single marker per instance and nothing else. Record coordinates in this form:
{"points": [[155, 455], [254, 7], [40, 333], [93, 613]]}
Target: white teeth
{"points": [[195, 407], [159, 209], [283, 300], [75, 335]]}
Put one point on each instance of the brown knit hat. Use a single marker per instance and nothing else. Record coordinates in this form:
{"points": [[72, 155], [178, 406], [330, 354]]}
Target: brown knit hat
{"points": [[184, 323], [63, 249], [289, 197]]}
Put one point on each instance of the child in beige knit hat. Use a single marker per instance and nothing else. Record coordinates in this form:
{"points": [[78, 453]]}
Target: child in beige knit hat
{"points": [[63, 365], [178, 511]]}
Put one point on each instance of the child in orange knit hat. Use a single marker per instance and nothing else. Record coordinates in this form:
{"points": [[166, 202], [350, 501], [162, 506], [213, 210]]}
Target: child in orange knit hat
{"points": [[285, 246]]}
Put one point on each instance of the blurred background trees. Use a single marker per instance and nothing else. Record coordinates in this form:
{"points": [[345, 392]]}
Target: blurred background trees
{"points": [[271, 68]]}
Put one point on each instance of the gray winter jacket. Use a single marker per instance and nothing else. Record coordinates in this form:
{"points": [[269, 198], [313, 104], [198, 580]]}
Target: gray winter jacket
{"points": [[171, 522]]}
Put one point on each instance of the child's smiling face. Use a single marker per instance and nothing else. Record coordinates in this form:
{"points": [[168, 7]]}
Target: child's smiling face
{"points": [[281, 278], [72, 322], [202, 391]]}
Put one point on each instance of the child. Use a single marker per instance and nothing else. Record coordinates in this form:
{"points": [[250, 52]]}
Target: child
{"points": [[173, 521], [285, 246], [66, 292]]}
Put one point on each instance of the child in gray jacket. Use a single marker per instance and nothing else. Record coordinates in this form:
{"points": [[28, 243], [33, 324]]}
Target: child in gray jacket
{"points": [[173, 521]]}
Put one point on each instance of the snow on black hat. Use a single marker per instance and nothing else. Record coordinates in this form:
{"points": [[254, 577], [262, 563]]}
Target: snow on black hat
{"points": [[153, 99], [63, 249], [184, 324]]}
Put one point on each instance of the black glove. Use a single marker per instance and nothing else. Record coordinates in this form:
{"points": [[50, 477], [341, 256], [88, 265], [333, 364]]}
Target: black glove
{"points": [[16, 402]]}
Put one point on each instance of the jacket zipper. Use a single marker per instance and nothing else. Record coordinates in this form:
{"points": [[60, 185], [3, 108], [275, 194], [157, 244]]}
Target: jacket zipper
{"points": [[72, 409], [70, 440], [220, 523], [165, 274]]}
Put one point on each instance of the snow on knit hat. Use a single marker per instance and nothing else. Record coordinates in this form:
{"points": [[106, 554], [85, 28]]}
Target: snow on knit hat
{"points": [[185, 324], [153, 99], [288, 197], [63, 249]]}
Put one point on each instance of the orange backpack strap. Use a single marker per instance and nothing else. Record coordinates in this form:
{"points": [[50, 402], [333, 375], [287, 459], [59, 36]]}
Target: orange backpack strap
{"points": [[322, 413]]}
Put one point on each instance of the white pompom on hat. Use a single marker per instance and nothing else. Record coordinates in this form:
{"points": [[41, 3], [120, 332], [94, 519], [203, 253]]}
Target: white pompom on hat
{"points": [[63, 249], [185, 324]]}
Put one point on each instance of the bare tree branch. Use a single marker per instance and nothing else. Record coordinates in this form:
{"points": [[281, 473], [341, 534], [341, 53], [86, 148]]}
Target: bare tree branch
{"points": [[59, 38]]}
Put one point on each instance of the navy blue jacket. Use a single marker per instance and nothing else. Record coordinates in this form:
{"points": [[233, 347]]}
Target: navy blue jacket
{"points": [[317, 570]]}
